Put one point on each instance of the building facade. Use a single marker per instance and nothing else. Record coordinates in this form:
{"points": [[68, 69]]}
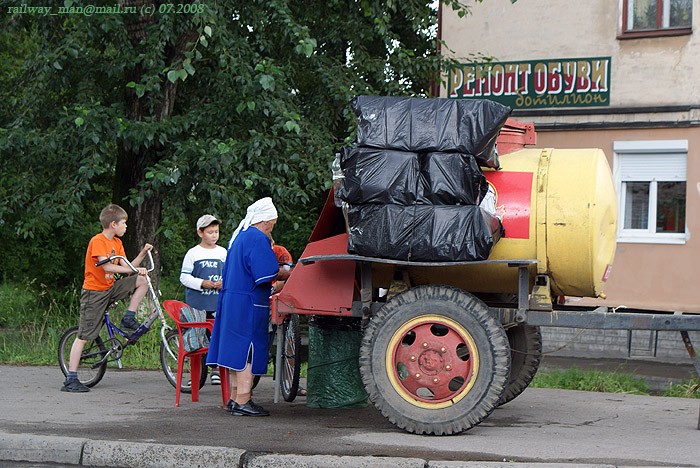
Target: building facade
{"points": [[620, 75]]}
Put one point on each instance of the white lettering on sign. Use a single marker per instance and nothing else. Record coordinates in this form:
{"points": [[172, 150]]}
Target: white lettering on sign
{"points": [[555, 78]]}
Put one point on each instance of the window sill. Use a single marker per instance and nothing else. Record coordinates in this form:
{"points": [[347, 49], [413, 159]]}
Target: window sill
{"points": [[670, 239], [654, 33]]}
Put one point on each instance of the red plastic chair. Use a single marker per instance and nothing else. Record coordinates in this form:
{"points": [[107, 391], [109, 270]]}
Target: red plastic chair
{"points": [[173, 308]]}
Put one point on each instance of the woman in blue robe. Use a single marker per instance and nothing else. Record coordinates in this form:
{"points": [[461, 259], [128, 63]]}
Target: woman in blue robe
{"points": [[239, 339]]}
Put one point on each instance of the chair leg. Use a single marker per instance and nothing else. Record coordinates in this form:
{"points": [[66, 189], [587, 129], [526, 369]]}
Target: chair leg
{"points": [[225, 385], [178, 380], [195, 373]]}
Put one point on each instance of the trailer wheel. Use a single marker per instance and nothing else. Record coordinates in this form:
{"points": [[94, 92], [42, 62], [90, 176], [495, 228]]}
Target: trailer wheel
{"points": [[434, 360], [525, 355]]}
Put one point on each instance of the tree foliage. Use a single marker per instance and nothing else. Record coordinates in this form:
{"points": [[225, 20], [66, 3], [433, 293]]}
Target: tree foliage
{"points": [[175, 115]]}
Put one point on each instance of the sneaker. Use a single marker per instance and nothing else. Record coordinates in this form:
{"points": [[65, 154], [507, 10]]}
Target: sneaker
{"points": [[129, 323], [215, 379], [74, 386]]}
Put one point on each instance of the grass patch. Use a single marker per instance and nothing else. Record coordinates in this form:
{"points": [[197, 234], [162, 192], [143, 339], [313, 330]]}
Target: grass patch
{"points": [[609, 382], [591, 381], [689, 389]]}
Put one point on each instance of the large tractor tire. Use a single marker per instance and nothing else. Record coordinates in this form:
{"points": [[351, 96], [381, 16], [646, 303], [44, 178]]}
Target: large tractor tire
{"points": [[434, 360], [525, 356]]}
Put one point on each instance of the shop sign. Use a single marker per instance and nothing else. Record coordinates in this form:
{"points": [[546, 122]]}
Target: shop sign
{"points": [[575, 82]]}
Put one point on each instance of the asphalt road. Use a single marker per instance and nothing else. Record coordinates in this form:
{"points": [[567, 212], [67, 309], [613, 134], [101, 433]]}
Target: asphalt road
{"points": [[541, 425]]}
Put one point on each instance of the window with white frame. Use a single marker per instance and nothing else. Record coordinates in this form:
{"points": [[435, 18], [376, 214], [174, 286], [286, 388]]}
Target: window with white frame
{"points": [[654, 17], [650, 177]]}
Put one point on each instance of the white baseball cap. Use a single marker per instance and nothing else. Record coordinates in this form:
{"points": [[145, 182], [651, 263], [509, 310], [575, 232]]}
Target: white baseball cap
{"points": [[206, 220]]}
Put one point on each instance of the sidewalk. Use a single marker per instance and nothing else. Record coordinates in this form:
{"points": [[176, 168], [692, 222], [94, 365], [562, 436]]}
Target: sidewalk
{"points": [[129, 420]]}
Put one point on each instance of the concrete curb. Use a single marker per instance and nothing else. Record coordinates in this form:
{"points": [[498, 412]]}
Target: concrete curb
{"points": [[125, 454], [332, 461], [41, 449], [139, 454]]}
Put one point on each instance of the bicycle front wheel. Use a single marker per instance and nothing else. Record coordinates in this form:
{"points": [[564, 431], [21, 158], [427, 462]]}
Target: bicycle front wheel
{"points": [[90, 369], [168, 361]]}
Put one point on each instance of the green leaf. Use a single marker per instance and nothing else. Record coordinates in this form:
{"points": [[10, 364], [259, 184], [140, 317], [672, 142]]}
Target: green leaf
{"points": [[173, 76], [267, 82], [207, 30], [57, 65], [203, 41], [79, 121], [188, 67]]}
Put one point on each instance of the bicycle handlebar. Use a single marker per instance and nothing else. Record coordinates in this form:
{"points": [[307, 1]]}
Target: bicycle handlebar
{"points": [[128, 263]]}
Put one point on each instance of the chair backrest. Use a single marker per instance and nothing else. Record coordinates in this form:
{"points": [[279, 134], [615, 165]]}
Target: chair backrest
{"points": [[173, 309], [193, 337]]}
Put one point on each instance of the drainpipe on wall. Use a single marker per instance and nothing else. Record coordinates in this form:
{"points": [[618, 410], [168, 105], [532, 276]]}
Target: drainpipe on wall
{"points": [[435, 84]]}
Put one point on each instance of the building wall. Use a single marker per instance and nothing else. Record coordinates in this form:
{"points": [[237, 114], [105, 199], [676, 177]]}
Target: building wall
{"points": [[665, 277], [654, 95], [651, 71]]}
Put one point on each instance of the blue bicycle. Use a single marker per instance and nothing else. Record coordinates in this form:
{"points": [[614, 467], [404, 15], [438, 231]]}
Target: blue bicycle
{"points": [[110, 344]]}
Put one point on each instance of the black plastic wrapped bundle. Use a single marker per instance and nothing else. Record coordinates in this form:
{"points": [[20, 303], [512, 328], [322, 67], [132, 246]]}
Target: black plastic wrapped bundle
{"points": [[468, 126], [418, 233], [452, 179], [386, 176], [380, 176]]}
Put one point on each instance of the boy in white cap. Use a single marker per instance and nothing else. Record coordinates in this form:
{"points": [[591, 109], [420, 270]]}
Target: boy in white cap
{"points": [[201, 272]]}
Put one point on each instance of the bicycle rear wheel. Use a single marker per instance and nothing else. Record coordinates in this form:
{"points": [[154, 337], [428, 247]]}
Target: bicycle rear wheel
{"points": [[168, 361], [291, 358], [89, 371]]}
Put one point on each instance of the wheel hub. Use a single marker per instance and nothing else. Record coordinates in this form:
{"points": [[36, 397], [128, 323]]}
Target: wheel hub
{"points": [[432, 360]]}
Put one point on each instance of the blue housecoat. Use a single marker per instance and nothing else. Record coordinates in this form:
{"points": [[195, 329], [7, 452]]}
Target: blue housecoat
{"points": [[242, 317]]}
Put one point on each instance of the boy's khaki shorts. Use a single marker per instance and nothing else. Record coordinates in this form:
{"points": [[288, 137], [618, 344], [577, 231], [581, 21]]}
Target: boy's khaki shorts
{"points": [[94, 303]]}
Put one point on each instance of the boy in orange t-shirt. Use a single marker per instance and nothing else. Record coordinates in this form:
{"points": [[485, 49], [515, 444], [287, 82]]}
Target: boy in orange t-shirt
{"points": [[100, 289]]}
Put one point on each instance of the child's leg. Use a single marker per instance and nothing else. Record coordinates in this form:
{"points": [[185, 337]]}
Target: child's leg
{"points": [[92, 307], [75, 351], [139, 293], [135, 287]]}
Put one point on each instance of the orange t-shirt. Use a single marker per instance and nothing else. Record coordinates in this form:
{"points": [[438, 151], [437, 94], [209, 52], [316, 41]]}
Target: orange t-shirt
{"points": [[96, 278], [282, 254]]}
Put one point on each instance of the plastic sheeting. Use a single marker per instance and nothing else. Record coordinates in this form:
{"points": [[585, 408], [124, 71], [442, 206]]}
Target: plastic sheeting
{"points": [[423, 125], [378, 176], [452, 179], [422, 232], [333, 378]]}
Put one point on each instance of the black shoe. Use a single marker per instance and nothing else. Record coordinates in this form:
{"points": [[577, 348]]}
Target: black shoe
{"points": [[249, 409], [74, 386], [229, 406], [129, 323]]}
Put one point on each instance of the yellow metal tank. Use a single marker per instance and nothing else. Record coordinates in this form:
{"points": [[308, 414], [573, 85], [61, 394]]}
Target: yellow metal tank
{"points": [[558, 206]]}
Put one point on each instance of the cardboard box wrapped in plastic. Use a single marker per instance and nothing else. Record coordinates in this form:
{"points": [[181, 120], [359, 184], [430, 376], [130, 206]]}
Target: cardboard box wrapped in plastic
{"points": [[379, 176], [467, 126], [429, 233]]}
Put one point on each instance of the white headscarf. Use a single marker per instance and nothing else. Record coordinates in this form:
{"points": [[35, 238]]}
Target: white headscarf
{"points": [[261, 210]]}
